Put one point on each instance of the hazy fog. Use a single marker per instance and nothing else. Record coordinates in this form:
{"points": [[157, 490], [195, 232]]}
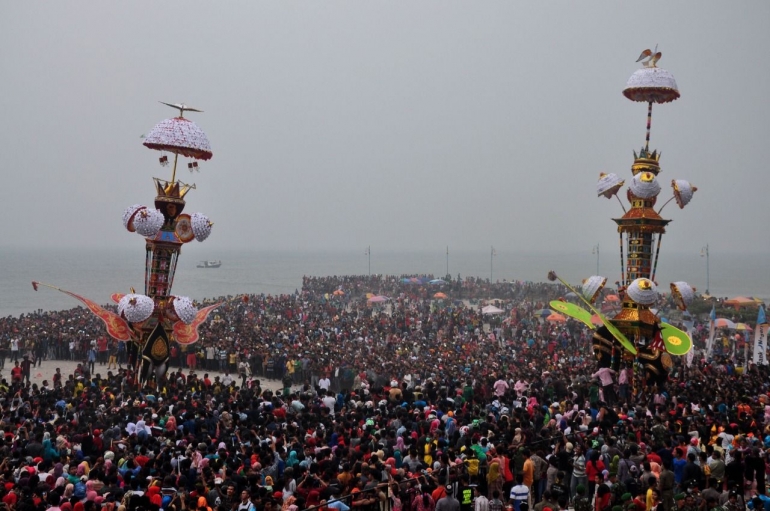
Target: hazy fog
{"points": [[401, 125]]}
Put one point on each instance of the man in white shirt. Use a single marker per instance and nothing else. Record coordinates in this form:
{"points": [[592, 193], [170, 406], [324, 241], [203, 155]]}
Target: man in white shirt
{"points": [[329, 401], [727, 439], [480, 503], [177, 459], [245, 503], [14, 350], [325, 383]]}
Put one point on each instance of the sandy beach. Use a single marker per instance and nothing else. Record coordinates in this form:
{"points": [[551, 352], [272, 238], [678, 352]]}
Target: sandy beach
{"points": [[46, 370]]}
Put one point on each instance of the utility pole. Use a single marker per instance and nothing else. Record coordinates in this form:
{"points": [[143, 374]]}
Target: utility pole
{"points": [[704, 252], [492, 255], [596, 252], [447, 260]]}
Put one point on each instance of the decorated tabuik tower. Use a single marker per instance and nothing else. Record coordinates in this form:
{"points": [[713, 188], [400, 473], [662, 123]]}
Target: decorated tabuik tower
{"points": [[636, 334], [165, 229], [149, 321]]}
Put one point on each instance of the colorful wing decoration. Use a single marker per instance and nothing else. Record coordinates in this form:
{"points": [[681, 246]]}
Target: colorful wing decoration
{"points": [[117, 327], [677, 341], [622, 339], [116, 297], [612, 328], [188, 334], [573, 311]]}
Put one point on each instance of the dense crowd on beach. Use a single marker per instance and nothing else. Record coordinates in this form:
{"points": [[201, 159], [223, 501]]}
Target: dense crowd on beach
{"points": [[412, 404]]}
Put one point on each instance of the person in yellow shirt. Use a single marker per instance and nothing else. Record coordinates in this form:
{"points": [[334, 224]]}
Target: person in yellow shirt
{"points": [[78, 387], [652, 494], [345, 476], [528, 471], [472, 464]]}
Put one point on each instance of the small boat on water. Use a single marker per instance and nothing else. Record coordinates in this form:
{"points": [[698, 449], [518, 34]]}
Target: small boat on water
{"points": [[209, 264]]}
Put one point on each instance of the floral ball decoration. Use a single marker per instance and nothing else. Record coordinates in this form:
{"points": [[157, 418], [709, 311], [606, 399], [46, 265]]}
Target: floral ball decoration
{"points": [[128, 216], [645, 186], [201, 226], [642, 291], [592, 287], [185, 309], [148, 222], [683, 191], [608, 185], [683, 294], [136, 308]]}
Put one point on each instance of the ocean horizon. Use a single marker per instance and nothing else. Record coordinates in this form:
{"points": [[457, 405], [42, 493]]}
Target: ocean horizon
{"points": [[97, 273]]}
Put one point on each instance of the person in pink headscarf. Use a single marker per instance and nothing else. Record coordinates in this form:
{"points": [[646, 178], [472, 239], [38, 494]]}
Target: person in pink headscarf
{"points": [[171, 424]]}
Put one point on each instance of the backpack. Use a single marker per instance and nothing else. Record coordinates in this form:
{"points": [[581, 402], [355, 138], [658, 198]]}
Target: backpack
{"points": [[606, 460], [617, 489], [558, 490], [582, 504], [628, 464], [632, 486], [80, 490]]}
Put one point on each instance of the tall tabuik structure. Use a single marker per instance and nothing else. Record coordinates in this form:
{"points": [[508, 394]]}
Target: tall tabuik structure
{"points": [[149, 321], [636, 334]]}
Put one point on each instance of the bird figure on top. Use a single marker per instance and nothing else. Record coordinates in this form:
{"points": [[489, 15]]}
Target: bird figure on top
{"points": [[649, 58]]}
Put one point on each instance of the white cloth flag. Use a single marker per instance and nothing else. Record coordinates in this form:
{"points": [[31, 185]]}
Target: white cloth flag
{"points": [[760, 338]]}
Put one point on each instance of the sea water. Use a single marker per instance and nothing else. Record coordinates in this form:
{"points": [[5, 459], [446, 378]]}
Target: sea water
{"points": [[97, 273]]}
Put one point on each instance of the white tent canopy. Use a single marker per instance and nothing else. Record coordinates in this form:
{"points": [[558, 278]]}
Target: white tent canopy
{"points": [[491, 309]]}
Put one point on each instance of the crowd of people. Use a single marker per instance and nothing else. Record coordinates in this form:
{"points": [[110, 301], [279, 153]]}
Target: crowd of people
{"points": [[411, 405]]}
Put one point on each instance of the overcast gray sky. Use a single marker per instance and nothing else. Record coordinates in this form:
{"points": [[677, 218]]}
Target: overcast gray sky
{"points": [[404, 125]]}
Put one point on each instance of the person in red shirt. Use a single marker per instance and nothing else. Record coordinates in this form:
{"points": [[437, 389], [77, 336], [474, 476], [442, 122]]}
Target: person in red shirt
{"points": [[10, 499], [16, 372], [594, 467], [603, 495], [101, 346], [141, 459]]}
